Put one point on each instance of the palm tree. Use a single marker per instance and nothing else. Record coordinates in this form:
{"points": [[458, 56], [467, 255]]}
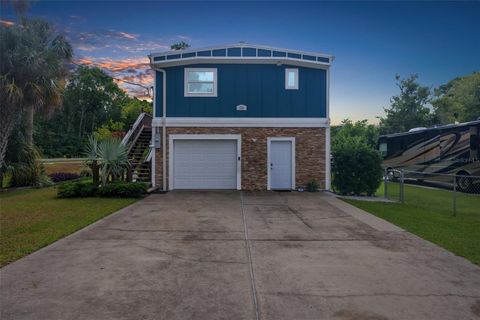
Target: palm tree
{"points": [[91, 153], [113, 155], [33, 66], [110, 155]]}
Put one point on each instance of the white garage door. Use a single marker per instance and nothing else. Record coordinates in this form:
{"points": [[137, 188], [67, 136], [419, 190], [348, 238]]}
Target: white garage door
{"points": [[205, 164]]}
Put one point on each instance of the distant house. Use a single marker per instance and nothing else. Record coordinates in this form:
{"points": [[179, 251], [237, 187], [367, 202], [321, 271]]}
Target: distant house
{"points": [[240, 116]]}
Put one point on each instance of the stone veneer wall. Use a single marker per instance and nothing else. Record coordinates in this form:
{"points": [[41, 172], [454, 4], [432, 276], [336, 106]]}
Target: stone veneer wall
{"points": [[309, 153]]}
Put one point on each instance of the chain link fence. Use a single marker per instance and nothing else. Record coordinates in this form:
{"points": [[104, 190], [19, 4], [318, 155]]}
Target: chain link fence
{"points": [[452, 193]]}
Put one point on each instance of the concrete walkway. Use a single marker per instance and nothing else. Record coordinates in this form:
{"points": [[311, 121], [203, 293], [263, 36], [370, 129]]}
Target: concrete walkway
{"points": [[239, 255]]}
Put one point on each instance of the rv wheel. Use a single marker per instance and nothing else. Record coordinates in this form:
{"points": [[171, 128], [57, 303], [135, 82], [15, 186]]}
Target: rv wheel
{"points": [[464, 182]]}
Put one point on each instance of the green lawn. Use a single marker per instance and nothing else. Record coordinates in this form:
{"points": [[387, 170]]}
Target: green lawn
{"points": [[33, 218], [428, 214]]}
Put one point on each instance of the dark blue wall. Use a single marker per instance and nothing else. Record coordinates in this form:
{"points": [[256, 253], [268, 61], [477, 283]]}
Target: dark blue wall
{"points": [[261, 87]]}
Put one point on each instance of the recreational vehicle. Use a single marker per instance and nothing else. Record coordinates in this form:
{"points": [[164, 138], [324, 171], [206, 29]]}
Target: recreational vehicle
{"points": [[435, 153]]}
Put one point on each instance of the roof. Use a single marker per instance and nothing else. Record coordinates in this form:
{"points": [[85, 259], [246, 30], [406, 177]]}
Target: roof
{"points": [[438, 127], [241, 53]]}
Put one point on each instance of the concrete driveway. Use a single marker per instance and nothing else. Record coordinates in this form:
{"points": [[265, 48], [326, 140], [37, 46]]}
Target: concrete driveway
{"points": [[238, 255]]}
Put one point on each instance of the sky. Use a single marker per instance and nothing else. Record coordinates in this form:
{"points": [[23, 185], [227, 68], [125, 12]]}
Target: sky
{"points": [[371, 41]]}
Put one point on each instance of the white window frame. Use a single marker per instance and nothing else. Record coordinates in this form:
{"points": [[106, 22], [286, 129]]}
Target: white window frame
{"points": [[287, 71], [199, 94], [269, 159]]}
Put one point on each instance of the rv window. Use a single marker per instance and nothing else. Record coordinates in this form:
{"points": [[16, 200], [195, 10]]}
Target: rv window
{"points": [[200, 82], [474, 142], [383, 149]]}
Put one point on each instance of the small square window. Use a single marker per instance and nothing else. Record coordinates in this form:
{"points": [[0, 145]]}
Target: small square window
{"points": [[200, 82], [291, 79]]}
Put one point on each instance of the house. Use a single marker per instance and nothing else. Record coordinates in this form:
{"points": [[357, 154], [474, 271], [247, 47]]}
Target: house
{"points": [[240, 116]]}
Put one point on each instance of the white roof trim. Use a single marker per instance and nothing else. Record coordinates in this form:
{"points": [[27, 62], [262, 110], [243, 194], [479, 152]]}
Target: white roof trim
{"points": [[305, 56], [242, 45]]}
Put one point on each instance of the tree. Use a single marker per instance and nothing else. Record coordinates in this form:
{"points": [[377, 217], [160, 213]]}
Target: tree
{"points": [[180, 46], [32, 71], [132, 108], [458, 100], [368, 133], [408, 109]]}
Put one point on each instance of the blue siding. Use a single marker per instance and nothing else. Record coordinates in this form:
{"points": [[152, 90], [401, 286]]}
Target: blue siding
{"points": [[206, 53], [264, 53], [249, 52], [173, 56], [219, 53], [307, 57], [279, 54], [188, 55], [261, 87], [234, 52], [294, 55]]}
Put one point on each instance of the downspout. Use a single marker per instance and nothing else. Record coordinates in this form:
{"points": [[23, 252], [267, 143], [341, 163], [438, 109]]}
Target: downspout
{"points": [[153, 166], [164, 129], [327, 137]]}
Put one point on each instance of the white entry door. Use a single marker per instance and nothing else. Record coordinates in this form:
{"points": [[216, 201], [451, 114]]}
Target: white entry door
{"points": [[205, 164], [282, 164]]}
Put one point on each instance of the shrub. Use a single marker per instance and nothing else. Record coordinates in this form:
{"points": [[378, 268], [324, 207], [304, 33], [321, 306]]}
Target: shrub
{"points": [[356, 168], [312, 185], [63, 176], [76, 189], [123, 189], [85, 173], [44, 181]]}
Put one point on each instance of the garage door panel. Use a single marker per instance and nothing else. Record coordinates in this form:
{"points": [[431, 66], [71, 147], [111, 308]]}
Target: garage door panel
{"points": [[205, 164]]}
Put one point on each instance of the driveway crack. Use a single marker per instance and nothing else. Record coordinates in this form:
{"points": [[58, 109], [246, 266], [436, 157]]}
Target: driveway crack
{"points": [[249, 255], [299, 216]]}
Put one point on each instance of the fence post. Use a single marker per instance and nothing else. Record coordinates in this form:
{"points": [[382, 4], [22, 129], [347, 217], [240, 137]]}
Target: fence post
{"points": [[385, 187], [402, 185], [455, 195]]}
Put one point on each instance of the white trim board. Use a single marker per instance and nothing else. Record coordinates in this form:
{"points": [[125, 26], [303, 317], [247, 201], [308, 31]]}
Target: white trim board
{"points": [[243, 122], [269, 140], [242, 60], [242, 45], [173, 137]]}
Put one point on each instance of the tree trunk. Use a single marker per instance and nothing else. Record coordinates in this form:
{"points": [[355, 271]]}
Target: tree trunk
{"points": [[81, 123], [7, 123], [95, 173], [29, 125]]}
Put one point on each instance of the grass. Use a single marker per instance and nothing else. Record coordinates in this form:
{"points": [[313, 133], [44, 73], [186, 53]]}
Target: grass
{"points": [[428, 213], [69, 166], [33, 218]]}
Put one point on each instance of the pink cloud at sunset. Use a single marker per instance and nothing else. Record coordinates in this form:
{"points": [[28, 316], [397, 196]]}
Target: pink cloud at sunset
{"points": [[6, 23], [135, 70]]}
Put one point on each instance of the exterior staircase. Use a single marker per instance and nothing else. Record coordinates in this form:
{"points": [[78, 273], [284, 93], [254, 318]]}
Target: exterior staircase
{"points": [[138, 141]]}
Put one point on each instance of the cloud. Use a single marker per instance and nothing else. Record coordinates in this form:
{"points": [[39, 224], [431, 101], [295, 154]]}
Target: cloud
{"points": [[6, 23], [121, 41], [123, 55], [116, 65], [136, 70], [127, 35]]}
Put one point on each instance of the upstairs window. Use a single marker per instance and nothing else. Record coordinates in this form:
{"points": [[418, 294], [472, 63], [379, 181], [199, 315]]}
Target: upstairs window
{"points": [[291, 79], [200, 82]]}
